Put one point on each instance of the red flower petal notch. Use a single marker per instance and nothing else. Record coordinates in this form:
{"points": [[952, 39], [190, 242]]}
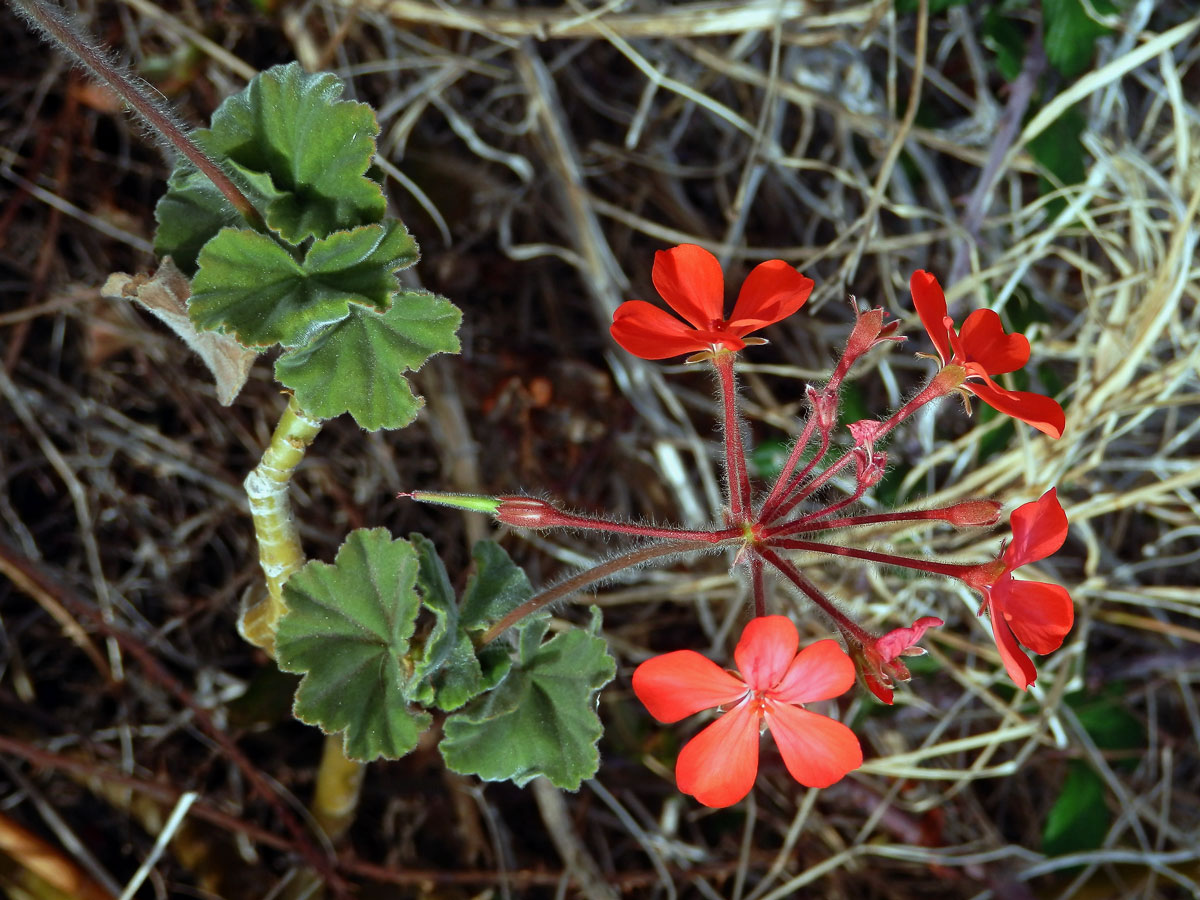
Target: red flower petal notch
{"points": [[982, 349], [689, 279], [1036, 614], [719, 765]]}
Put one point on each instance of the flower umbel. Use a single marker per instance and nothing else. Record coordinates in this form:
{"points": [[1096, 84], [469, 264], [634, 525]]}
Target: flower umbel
{"points": [[1037, 614], [719, 765], [982, 349], [689, 278]]}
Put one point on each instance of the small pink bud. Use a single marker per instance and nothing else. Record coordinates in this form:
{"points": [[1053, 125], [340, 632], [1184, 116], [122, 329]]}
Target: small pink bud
{"points": [[869, 330], [973, 513], [824, 405], [865, 432], [869, 467], [527, 512]]}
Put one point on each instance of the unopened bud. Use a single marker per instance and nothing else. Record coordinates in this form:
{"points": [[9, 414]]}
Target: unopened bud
{"points": [[869, 467], [824, 404], [527, 512], [973, 513]]}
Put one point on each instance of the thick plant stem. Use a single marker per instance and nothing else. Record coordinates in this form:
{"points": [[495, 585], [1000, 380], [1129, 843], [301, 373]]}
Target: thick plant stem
{"points": [[735, 454], [57, 26], [279, 551], [335, 799]]}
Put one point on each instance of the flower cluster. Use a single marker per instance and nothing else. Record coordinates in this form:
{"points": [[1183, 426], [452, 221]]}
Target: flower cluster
{"points": [[802, 512]]}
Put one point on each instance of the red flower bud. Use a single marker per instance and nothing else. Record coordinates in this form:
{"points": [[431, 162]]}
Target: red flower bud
{"points": [[973, 513], [527, 512]]}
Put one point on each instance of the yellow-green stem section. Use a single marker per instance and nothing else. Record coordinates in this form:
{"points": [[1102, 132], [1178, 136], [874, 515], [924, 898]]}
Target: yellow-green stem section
{"points": [[280, 555], [279, 551]]}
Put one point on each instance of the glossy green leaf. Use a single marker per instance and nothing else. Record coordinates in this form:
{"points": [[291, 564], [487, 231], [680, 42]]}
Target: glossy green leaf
{"points": [[347, 630], [541, 720], [250, 285], [1080, 817], [1071, 32], [357, 365], [1002, 36]]}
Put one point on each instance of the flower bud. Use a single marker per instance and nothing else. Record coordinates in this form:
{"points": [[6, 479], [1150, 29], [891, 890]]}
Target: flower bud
{"points": [[527, 512], [973, 513]]}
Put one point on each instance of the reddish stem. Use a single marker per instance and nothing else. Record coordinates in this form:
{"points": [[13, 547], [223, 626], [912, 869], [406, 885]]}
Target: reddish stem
{"points": [[798, 496], [788, 479], [756, 581], [810, 590], [569, 520], [736, 474], [952, 570], [807, 523]]}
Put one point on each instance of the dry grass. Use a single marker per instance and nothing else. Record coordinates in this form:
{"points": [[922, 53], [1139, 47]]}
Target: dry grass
{"points": [[542, 155]]}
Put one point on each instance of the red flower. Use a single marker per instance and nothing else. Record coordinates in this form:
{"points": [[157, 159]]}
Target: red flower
{"points": [[719, 765], [879, 664], [983, 349], [1036, 614], [689, 278]]}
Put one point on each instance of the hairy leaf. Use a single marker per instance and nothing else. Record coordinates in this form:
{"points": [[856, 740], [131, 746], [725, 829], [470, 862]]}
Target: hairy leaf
{"points": [[250, 285], [357, 365], [347, 629], [541, 720]]}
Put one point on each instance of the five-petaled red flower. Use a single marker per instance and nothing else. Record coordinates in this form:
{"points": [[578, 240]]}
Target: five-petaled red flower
{"points": [[983, 349], [719, 765], [1038, 615], [689, 278]]}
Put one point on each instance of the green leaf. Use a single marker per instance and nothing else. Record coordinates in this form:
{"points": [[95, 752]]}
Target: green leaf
{"points": [[1107, 720], [541, 720], [1003, 37], [252, 286], [1070, 33], [1079, 818], [347, 630], [316, 148], [300, 155], [357, 365], [449, 670], [495, 588], [1059, 149]]}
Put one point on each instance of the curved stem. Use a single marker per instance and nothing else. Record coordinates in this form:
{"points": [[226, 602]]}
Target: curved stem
{"points": [[55, 25], [583, 579]]}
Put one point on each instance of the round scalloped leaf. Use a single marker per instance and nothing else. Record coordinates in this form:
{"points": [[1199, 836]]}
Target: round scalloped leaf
{"points": [[541, 719], [316, 148], [250, 285], [347, 630], [192, 210], [357, 365]]}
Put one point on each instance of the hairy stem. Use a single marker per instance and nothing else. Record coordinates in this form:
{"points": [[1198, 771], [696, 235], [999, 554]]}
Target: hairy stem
{"points": [[810, 590], [736, 473], [56, 26], [952, 570], [789, 479], [583, 579]]}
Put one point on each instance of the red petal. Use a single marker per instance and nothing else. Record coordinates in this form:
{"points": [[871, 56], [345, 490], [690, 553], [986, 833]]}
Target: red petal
{"points": [[651, 333], [766, 649], [816, 750], [676, 685], [931, 307], [1039, 528], [820, 671], [1039, 614], [1041, 412], [689, 278], [895, 642], [718, 766], [1019, 667], [984, 342], [771, 292]]}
